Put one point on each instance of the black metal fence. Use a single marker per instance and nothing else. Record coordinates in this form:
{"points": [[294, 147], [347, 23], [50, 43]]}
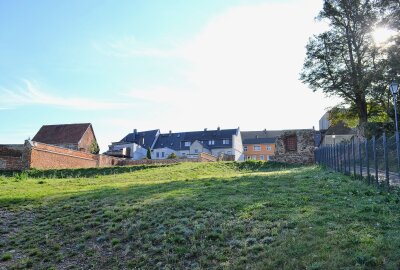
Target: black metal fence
{"points": [[376, 160]]}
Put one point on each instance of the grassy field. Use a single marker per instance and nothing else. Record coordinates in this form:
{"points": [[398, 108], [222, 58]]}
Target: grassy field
{"points": [[196, 216]]}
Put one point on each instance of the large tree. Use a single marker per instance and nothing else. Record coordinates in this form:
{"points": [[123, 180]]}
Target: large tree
{"points": [[343, 60]]}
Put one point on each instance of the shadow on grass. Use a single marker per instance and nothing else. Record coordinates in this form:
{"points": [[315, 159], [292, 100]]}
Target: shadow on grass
{"points": [[206, 222], [81, 172]]}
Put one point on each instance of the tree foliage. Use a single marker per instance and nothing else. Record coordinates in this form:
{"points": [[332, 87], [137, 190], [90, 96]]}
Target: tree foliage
{"points": [[148, 156], [94, 148], [344, 61]]}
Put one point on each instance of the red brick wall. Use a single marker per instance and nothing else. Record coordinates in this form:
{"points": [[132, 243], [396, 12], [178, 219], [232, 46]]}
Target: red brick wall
{"points": [[11, 157], [87, 140], [44, 156]]}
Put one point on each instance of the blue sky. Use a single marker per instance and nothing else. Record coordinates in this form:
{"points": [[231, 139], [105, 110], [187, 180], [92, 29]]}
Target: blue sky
{"points": [[174, 65]]}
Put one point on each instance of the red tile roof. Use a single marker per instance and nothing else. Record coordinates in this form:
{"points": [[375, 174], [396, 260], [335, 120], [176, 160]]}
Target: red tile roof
{"points": [[58, 134]]}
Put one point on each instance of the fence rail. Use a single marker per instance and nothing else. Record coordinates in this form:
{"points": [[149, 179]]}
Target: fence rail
{"points": [[376, 160]]}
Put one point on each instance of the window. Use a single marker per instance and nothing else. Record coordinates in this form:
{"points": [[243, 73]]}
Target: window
{"points": [[261, 157], [211, 142], [157, 154], [248, 157], [162, 154], [245, 148], [269, 148], [254, 157], [257, 148], [187, 143], [196, 151], [229, 152], [268, 157], [291, 143], [225, 141]]}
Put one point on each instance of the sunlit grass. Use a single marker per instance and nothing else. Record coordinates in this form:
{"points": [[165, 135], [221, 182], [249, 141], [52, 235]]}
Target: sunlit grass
{"points": [[197, 216]]}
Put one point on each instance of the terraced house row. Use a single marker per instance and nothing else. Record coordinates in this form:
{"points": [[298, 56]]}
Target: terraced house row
{"points": [[228, 144]]}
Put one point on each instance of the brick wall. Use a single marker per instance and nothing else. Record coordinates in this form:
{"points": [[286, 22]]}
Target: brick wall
{"points": [[34, 155], [44, 156], [11, 157], [86, 140]]}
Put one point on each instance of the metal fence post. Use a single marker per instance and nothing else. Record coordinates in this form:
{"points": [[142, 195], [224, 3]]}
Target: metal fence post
{"points": [[375, 159], [341, 157], [386, 159], [354, 157], [349, 157], [344, 159], [360, 158], [367, 161], [398, 150]]}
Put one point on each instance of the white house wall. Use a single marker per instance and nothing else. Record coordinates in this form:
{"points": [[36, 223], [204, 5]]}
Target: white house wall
{"points": [[167, 151], [237, 146]]}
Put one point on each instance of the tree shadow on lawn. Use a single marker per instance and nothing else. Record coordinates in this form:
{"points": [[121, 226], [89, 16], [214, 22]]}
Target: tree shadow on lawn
{"points": [[257, 221]]}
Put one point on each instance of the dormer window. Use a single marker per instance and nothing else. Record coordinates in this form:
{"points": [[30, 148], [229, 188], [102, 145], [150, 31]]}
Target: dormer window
{"points": [[225, 141], [211, 142], [187, 144]]}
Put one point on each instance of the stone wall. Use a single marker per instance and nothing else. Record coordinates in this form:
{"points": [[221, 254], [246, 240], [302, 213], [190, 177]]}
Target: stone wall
{"points": [[304, 153]]}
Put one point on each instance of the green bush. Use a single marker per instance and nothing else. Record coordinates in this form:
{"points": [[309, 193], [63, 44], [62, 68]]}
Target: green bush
{"points": [[172, 156]]}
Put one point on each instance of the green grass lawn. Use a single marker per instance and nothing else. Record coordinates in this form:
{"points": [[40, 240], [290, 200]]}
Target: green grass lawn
{"points": [[196, 216]]}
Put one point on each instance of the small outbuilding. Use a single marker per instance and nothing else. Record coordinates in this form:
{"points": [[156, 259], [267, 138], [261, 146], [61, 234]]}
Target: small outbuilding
{"points": [[78, 137]]}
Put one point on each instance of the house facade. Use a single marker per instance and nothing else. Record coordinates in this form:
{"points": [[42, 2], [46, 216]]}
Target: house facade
{"points": [[189, 144], [259, 145], [134, 145], [337, 134], [72, 136]]}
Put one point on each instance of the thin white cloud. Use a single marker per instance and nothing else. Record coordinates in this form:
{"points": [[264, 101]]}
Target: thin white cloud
{"points": [[31, 94], [128, 47]]}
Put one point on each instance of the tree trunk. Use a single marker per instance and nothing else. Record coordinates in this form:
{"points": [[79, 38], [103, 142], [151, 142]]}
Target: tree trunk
{"points": [[363, 116]]}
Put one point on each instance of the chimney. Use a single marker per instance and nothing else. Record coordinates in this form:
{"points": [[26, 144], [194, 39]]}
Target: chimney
{"points": [[134, 134], [218, 128], [170, 132], [205, 129]]}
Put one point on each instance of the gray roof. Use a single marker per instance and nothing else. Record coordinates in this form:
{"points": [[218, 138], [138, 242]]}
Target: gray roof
{"points": [[176, 141], [263, 136], [143, 138], [340, 129]]}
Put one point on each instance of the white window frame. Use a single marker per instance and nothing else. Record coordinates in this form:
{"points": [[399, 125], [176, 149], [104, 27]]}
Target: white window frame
{"points": [[211, 142], [162, 154], [254, 157], [245, 148], [261, 157], [225, 141], [269, 147], [258, 148], [187, 144], [268, 157], [157, 154]]}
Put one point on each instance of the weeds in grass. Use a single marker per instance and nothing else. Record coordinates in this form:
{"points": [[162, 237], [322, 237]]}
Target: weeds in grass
{"points": [[216, 215]]}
